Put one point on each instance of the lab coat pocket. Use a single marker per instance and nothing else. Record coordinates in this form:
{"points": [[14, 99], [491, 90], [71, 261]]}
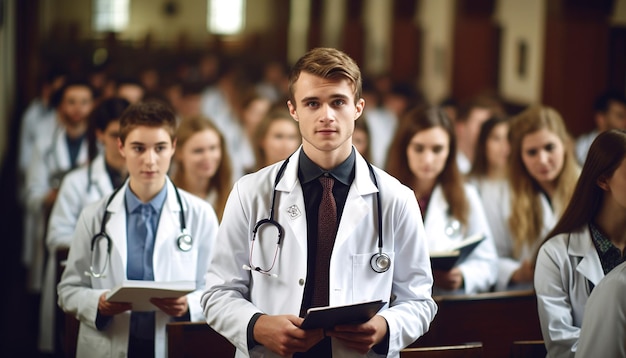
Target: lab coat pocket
{"points": [[368, 284], [91, 340]]}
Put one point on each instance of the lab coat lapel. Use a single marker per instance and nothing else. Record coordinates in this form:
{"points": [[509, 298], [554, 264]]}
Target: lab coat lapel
{"points": [[62, 156], [580, 245], [356, 207], [116, 229], [167, 232], [100, 181], [290, 204]]}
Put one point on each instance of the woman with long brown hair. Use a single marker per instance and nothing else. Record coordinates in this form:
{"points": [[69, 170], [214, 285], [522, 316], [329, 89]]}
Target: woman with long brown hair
{"points": [[543, 172], [202, 162], [423, 157], [587, 242]]}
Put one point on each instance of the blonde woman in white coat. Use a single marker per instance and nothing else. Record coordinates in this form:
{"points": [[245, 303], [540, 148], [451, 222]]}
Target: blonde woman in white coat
{"points": [[107, 329], [80, 187], [588, 242], [423, 157], [542, 175], [50, 161]]}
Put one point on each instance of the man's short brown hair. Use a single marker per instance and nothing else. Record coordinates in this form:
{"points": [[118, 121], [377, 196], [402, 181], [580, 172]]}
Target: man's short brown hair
{"points": [[327, 63], [155, 114]]}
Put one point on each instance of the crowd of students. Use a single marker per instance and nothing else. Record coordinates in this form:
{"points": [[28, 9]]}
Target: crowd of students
{"points": [[90, 151]]}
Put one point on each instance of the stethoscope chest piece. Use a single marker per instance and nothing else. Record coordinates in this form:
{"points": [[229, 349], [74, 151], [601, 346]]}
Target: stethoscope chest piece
{"points": [[184, 241], [380, 262]]}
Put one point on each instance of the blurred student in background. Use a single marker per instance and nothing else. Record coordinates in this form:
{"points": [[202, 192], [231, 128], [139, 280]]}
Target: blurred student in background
{"points": [[422, 157], [54, 154], [277, 137], [542, 173], [202, 162], [489, 172], [105, 171], [586, 244]]}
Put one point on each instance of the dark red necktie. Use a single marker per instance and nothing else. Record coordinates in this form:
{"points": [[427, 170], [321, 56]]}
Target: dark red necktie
{"points": [[326, 232]]}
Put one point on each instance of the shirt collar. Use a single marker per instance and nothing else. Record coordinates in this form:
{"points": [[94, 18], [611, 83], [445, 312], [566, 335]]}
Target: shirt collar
{"points": [[344, 172], [133, 202]]}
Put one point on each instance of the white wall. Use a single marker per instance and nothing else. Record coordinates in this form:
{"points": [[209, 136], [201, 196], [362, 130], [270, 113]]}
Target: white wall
{"points": [[521, 21], [7, 75], [436, 20]]}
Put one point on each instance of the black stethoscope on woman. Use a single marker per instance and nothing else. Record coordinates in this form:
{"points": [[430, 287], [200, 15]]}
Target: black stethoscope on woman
{"points": [[379, 262], [184, 241]]}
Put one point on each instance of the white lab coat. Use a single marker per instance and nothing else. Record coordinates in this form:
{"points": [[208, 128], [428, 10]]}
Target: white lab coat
{"points": [[79, 293], [603, 333], [507, 262], [565, 266], [479, 268], [50, 157], [79, 188], [234, 295]]}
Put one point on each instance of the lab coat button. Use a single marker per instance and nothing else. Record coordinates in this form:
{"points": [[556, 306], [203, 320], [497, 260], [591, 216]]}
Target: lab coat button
{"points": [[301, 282]]}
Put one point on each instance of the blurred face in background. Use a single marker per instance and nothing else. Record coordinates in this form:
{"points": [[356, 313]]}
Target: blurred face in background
{"points": [[360, 140], [282, 139], [108, 138], [543, 155], [201, 155], [427, 153], [497, 146], [76, 105]]}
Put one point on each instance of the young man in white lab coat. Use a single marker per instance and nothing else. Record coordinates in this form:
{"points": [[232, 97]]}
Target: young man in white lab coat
{"points": [[258, 290], [150, 251]]}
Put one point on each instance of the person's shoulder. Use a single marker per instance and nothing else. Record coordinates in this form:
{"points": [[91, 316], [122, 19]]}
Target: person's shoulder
{"points": [[194, 203], [388, 181]]}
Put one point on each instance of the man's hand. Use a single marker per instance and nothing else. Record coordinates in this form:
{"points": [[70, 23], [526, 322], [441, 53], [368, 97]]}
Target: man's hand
{"points": [[174, 307], [448, 280], [283, 336], [106, 308], [361, 337]]}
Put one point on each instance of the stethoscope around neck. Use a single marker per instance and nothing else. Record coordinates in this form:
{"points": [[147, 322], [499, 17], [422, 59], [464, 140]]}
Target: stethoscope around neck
{"points": [[184, 241], [379, 262]]}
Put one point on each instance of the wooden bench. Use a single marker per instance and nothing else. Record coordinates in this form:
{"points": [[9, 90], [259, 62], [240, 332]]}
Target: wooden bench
{"points": [[461, 351], [495, 319], [528, 349], [196, 339]]}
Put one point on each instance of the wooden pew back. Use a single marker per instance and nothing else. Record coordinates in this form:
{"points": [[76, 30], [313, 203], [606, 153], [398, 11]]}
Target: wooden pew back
{"points": [[196, 339], [495, 319]]}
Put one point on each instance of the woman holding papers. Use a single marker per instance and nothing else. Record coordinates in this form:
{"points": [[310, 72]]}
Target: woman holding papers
{"points": [[147, 230], [587, 243], [423, 157], [542, 174]]}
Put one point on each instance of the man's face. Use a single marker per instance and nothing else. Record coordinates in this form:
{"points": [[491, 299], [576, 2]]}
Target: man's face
{"points": [[148, 152], [325, 111], [614, 118], [76, 105], [109, 138]]}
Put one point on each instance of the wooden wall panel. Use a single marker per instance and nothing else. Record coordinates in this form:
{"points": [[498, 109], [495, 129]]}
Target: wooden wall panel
{"points": [[576, 60]]}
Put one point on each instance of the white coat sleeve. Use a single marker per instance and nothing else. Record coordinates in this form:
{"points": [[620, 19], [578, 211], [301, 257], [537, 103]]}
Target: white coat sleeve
{"points": [[553, 304], [603, 332], [76, 295], [64, 215], [226, 300], [479, 269], [412, 308], [37, 183], [205, 233]]}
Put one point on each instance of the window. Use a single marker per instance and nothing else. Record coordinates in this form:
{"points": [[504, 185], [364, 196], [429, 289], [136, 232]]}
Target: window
{"points": [[110, 15], [225, 17]]}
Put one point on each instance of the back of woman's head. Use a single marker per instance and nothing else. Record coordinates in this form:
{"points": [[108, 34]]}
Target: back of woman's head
{"points": [[107, 111], [605, 155]]}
